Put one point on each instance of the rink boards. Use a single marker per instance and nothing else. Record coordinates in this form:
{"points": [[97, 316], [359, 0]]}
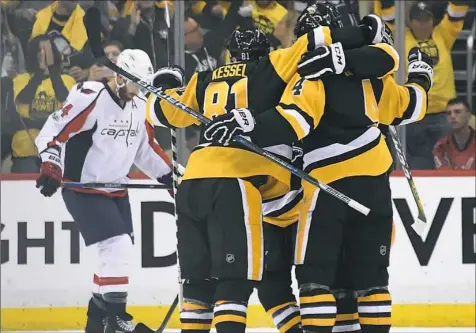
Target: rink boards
{"points": [[46, 274]]}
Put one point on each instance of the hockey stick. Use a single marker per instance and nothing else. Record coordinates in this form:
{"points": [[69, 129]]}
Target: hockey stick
{"points": [[113, 186], [175, 175], [91, 20], [168, 315], [420, 224]]}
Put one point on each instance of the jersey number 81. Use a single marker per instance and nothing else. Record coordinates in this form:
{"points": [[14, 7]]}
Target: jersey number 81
{"points": [[217, 93]]}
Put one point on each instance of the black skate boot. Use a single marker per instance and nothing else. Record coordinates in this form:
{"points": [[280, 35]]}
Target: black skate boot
{"points": [[119, 324], [96, 317]]}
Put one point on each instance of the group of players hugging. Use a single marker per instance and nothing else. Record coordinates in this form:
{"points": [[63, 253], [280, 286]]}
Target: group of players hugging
{"points": [[244, 222]]}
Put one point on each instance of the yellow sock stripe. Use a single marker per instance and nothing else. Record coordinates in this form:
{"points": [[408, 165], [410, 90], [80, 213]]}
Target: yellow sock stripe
{"points": [[375, 298], [387, 321], [234, 318], [317, 299], [195, 326], [279, 307], [194, 306], [293, 322], [317, 322], [347, 317]]}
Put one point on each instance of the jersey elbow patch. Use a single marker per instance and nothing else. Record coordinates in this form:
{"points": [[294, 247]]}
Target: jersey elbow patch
{"points": [[392, 53], [150, 111], [417, 105], [300, 121], [155, 115]]}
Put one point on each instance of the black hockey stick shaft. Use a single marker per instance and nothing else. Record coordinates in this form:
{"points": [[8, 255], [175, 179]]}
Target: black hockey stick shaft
{"points": [[114, 186], [168, 315], [420, 224], [173, 144], [92, 21]]}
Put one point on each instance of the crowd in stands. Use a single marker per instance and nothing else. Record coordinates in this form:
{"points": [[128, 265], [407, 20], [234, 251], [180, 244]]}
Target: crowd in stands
{"points": [[45, 52]]}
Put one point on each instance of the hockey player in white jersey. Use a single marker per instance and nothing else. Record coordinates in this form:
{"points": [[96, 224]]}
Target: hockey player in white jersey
{"points": [[99, 133]]}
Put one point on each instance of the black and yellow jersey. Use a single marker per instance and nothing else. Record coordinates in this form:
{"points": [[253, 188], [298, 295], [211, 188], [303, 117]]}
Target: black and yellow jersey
{"points": [[254, 85], [337, 118], [284, 210], [257, 85]]}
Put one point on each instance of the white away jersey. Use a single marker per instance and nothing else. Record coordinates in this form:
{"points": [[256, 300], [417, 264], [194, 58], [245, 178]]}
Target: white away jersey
{"points": [[101, 138]]}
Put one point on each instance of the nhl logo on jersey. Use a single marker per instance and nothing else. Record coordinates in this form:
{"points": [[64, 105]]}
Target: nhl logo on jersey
{"points": [[230, 258]]}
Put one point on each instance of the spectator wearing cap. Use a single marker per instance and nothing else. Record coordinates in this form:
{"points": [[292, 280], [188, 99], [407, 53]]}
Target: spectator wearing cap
{"points": [[436, 41], [458, 150]]}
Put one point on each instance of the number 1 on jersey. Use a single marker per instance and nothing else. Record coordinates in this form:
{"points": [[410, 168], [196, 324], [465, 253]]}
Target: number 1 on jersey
{"points": [[216, 97]]}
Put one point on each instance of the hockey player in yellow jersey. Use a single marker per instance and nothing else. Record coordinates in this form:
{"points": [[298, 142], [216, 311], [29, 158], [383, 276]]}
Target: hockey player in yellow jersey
{"points": [[220, 239], [344, 147]]}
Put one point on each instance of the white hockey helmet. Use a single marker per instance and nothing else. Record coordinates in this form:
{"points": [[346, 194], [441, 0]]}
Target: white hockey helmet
{"points": [[136, 62]]}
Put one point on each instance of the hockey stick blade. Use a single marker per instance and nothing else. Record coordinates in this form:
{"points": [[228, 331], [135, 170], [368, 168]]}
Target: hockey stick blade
{"points": [[117, 186], [142, 328], [168, 315], [91, 19], [420, 224]]}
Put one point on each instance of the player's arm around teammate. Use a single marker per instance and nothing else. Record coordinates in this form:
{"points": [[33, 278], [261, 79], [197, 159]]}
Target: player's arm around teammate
{"points": [[97, 136]]}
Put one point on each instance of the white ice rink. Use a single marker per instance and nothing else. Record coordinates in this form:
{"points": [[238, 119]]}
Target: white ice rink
{"points": [[394, 330]]}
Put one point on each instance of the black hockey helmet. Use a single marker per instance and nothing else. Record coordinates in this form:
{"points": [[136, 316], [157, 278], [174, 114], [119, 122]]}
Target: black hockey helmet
{"points": [[316, 15], [248, 44]]}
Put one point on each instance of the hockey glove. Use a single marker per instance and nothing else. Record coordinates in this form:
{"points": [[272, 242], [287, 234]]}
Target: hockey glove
{"points": [[51, 173], [420, 68], [168, 178], [224, 128], [379, 31], [169, 77], [323, 61]]}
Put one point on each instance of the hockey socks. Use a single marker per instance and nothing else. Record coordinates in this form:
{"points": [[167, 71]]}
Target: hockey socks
{"points": [[318, 309], [347, 319], [375, 310], [230, 316], [286, 317], [196, 317]]}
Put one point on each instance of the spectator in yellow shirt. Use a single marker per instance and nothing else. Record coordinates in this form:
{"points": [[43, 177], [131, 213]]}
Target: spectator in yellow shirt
{"points": [[63, 22], [436, 41], [37, 94]]}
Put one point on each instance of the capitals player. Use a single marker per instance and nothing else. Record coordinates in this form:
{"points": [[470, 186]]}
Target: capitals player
{"points": [[97, 136]]}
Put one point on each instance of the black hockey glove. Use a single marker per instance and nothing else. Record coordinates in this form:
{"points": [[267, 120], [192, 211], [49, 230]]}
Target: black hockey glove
{"points": [[51, 173], [379, 31], [169, 77], [224, 128], [323, 61], [168, 178], [420, 68]]}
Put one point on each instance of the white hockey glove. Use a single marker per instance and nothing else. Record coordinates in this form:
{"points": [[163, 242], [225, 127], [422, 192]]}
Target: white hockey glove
{"points": [[224, 128], [379, 31], [169, 77], [324, 61], [420, 68]]}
